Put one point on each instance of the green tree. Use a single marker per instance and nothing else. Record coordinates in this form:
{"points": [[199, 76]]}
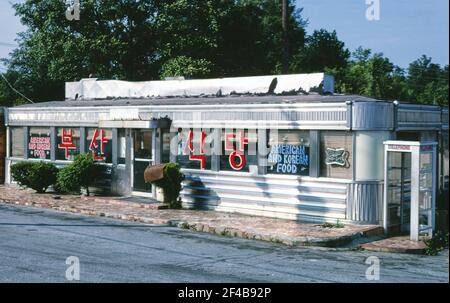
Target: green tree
{"points": [[371, 75], [186, 67], [322, 50], [427, 82], [143, 40]]}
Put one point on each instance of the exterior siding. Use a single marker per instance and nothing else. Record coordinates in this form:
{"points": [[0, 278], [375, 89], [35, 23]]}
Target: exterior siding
{"points": [[305, 199]]}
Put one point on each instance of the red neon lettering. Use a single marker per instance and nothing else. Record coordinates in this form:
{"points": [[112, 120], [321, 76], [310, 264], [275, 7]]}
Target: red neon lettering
{"points": [[189, 143], [190, 149], [67, 142], [232, 160], [229, 138], [236, 153], [94, 145], [242, 141]]}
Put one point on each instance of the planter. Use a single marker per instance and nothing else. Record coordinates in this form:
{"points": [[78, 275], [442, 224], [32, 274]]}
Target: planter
{"points": [[160, 195]]}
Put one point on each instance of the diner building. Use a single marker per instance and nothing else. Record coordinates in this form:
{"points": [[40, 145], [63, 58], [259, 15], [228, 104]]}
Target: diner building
{"points": [[284, 146]]}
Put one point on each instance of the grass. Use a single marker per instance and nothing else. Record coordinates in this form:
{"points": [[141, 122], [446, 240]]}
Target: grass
{"points": [[338, 224]]}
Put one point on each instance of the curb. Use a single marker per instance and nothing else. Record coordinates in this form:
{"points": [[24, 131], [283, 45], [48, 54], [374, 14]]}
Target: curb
{"points": [[328, 242]]}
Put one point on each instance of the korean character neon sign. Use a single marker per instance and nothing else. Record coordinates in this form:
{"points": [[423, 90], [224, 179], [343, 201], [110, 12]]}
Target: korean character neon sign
{"points": [[236, 159], [190, 149], [67, 142], [94, 145]]}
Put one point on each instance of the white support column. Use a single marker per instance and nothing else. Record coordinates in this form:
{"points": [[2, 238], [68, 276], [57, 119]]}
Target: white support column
{"points": [[385, 191], [415, 166], [434, 192]]}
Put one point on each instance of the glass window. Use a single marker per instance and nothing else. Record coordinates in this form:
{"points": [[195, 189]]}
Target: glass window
{"points": [[288, 152], [142, 144], [336, 154], [166, 137], [122, 145], [99, 142], [239, 150], [194, 148], [68, 143], [17, 142], [39, 143]]}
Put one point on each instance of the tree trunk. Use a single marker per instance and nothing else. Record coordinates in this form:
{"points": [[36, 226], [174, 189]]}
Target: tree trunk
{"points": [[284, 20]]}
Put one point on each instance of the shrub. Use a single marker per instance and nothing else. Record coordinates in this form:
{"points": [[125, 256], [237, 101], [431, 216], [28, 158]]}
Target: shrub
{"points": [[20, 172], [171, 184], [42, 176], [81, 173], [38, 175], [438, 242]]}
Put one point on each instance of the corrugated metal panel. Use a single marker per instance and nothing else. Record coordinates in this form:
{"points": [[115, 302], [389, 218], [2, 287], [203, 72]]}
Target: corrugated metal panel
{"points": [[312, 116], [372, 116], [445, 118], [418, 117], [365, 202], [266, 196]]}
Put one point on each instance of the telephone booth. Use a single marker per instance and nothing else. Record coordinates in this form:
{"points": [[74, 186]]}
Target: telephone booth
{"points": [[410, 188]]}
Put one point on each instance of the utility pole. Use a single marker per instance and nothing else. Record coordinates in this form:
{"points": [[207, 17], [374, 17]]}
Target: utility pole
{"points": [[284, 20]]}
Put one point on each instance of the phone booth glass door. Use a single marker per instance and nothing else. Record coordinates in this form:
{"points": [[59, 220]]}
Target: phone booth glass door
{"points": [[399, 192]]}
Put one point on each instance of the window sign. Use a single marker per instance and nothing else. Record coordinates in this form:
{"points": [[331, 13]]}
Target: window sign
{"points": [[194, 155], [194, 149], [336, 156], [239, 150], [289, 153], [39, 143], [99, 143], [68, 143], [290, 159]]}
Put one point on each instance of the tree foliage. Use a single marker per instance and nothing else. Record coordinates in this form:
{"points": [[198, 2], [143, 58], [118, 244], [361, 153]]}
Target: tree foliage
{"points": [[144, 40], [186, 67], [322, 50], [376, 76], [153, 39]]}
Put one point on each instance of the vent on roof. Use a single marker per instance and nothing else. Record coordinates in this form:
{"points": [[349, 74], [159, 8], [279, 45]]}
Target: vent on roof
{"points": [[91, 88]]}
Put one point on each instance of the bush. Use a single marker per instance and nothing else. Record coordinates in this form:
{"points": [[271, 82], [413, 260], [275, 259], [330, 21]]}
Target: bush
{"points": [[171, 184], [438, 242], [36, 175], [81, 173], [20, 172]]}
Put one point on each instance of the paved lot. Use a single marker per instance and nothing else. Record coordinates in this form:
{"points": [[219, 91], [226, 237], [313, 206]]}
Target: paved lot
{"points": [[34, 245]]}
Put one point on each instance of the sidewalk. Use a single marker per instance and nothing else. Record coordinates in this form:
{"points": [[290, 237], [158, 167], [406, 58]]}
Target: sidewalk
{"points": [[226, 224]]}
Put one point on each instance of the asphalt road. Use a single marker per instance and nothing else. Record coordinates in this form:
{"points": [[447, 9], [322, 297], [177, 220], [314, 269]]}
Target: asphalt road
{"points": [[35, 243]]}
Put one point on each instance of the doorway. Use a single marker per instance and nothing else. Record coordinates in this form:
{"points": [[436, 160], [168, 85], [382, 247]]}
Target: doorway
{"points": [[398, 193], [143, 156]]}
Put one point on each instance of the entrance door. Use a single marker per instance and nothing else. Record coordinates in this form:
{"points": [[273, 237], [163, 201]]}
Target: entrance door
{"points": [[142, 157], [398, 192]]}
